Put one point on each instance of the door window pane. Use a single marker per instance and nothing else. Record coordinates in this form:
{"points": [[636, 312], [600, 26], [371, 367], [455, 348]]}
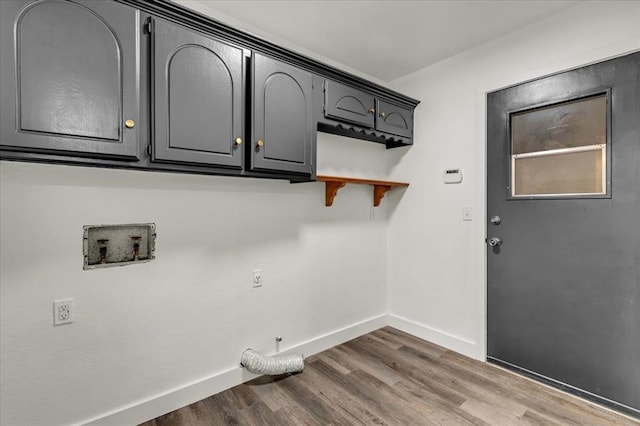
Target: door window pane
{"points": [[560, 149], [572, 173]]}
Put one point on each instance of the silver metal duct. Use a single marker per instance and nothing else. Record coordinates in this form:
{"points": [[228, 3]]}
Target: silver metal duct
{"points": [[257, 363]]}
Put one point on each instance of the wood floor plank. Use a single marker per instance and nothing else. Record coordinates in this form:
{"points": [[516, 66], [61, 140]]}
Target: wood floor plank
{"points": [[530, 418], [333, 358], [411, 341], [399, 412], [266, 389], [386, 340], [465, 384], [329, 384], [418, 374], [371, 365], [424, 371], [539, 398], [301, 396], [441, 410], [491, 414], [388, 377]]}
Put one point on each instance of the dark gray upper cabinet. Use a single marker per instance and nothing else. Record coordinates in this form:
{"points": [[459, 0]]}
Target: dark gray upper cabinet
{"points": [[198, 98], [152, 85], [348, 104], [394, 119], [70, 78], [283, 133]]}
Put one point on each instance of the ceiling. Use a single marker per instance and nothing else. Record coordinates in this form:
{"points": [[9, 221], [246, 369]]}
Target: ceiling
{"points": [[382, 39]]}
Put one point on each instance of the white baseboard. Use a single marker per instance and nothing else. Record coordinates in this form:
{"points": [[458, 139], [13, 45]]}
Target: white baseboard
{"points": [[158, 405], [433, 335]]}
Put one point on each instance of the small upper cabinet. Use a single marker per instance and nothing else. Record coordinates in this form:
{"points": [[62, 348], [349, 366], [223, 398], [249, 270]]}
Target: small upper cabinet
{"points": [[283, 133], [376, 119], [70, 78], [393, 119], [348, 104], [198, 98]]}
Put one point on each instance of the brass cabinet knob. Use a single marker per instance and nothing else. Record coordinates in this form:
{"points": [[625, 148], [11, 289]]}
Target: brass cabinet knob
{"points": [[382, 114], [372, 110], [260, 143], [238, 141], [129, 124]]}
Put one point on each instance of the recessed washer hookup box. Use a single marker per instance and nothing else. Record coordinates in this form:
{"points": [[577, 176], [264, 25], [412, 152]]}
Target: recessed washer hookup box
{"points": [[118, 245]]}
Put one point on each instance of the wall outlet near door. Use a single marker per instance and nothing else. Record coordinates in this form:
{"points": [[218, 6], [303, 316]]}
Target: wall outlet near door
{"points": [[62, 312]]}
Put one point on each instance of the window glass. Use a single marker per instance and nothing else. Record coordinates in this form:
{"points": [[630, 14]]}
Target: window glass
{"points": [[560, 149]]}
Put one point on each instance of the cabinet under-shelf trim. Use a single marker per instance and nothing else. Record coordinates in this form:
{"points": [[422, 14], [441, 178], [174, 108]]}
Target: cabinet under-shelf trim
{"points": [[334, 183]]}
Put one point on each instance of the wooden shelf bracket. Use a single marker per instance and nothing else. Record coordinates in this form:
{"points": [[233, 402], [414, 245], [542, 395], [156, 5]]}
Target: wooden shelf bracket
{"points": [[334, 183], [378, 193], [331, 190]]}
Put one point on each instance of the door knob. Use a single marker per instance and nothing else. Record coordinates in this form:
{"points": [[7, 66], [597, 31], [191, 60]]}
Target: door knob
{"points": [[495, 220], [495, 241], [129, 124], [260, 143]]}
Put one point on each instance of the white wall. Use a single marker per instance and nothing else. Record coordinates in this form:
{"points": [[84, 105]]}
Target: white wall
{"points": [[145, 330], [436, 261]]}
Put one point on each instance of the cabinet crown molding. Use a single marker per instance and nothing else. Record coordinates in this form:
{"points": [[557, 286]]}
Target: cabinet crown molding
{"points": [[198, 21]]}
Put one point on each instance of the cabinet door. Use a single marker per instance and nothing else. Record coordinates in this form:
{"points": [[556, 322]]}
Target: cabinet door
{"points": [[394, 119], [70, 77], [198, 103], [283, 134], [347, 104]]}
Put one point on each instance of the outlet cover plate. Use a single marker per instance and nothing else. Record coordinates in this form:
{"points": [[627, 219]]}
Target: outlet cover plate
{"points": [[62, 312]]}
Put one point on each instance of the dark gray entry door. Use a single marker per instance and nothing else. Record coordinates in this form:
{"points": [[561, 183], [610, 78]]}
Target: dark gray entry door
{"points": [[563, 200]]}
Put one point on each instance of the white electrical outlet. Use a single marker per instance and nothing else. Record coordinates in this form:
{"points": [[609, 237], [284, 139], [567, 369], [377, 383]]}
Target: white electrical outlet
{"points": [[257, 277], [62, 312]]}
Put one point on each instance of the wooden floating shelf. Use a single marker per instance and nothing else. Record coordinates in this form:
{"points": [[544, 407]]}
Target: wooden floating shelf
{"points": [[334, 183]]}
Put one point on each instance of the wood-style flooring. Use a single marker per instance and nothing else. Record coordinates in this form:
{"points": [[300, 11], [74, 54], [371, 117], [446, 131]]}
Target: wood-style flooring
{"points": [[388, 377]]}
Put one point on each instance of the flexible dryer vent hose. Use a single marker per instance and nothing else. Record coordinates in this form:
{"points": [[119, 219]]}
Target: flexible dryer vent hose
{"points": [[257, 363]]}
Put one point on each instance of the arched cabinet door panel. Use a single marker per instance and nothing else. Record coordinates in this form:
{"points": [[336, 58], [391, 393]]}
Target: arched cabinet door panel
{"points": [[394, 119], [348, 104], [198, 103], [283, 134], [70, 77]]}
